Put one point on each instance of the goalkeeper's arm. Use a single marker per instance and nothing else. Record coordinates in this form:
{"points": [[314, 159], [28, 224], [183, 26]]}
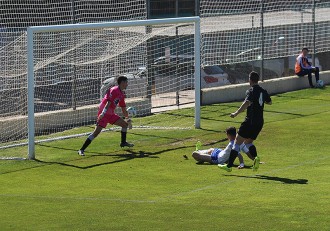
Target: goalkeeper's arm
{"points": [[127, 119], [125, 113], [105, 109]]}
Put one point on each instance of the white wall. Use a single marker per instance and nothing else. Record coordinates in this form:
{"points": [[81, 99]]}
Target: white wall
{"points": [[273, 86], [221, 94], [63, 118]]}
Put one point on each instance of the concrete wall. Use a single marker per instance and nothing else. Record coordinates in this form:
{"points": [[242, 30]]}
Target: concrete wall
{"points": [[273, 86], [13, 128]]}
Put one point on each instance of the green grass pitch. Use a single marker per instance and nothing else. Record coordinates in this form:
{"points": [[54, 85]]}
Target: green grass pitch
{"points": [[152, 187]]}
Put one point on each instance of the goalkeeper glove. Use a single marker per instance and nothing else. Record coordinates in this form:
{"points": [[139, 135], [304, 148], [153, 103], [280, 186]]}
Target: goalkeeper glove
{"points": [[129, 121]]}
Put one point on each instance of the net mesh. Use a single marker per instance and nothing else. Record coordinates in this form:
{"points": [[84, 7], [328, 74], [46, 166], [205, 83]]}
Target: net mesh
{"points": [[71, 66]]}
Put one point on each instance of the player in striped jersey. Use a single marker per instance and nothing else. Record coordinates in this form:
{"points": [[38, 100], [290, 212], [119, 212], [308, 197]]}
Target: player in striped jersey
{"points": [[220, 156]]}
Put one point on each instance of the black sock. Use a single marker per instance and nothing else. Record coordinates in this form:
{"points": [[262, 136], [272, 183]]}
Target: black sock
{"points": [[87, 142], [310, 80], [253, 151], [232, 157], [123, 137], [317, 73]]}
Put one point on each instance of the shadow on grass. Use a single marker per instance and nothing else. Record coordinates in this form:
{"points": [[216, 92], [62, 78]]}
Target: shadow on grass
{"points": [[286, 113], [291, 97], [275, 178], [127, 154], [295, 116], [116, 157]]}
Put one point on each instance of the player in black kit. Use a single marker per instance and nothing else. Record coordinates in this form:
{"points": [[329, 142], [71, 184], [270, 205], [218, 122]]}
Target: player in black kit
{"points": [[254, 101]]}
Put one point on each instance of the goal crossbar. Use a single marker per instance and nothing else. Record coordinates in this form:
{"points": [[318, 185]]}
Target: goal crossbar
{"points": [[91, 26]]}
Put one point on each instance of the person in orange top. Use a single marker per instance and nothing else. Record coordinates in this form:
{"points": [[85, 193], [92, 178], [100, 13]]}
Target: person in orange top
{"points": [[303, 67]]}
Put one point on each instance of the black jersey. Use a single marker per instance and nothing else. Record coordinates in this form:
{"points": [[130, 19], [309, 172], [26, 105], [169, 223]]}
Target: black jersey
{"points": [[257, 97]]}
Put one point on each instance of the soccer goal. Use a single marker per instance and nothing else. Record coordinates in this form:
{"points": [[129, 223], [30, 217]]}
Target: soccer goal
{"points": [[68, 65]]}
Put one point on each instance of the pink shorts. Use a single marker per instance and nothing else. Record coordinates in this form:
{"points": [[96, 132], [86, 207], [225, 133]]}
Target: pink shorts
{"points": [[108, 119]]}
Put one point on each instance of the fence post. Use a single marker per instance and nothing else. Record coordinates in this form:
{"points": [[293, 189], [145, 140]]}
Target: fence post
{"points": [[30, 92], [314, 32], [197, 74], [262, 40], [74, 81]]}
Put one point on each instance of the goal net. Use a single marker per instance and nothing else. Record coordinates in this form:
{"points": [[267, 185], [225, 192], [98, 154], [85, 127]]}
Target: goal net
{"points": [[70, 66]]}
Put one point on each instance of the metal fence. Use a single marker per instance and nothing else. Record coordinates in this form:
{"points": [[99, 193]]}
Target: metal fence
{"points": [[265, 35]]}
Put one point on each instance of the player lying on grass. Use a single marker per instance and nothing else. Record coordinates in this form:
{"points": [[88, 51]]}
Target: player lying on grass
{"points": [[106, 114], [220, 156]]}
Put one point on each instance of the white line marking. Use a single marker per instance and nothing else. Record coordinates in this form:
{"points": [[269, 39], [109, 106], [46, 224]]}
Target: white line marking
{"points": [[76, 198]]}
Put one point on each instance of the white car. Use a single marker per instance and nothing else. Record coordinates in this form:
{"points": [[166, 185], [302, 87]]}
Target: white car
{"points": [[213, 76]]}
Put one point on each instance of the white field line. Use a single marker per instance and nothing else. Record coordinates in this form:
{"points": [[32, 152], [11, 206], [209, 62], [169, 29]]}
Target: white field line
{"points": [[23, 196]]}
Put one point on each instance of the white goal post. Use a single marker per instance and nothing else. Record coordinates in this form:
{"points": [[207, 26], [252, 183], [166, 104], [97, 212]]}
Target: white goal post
{"points": [[32, 31]]}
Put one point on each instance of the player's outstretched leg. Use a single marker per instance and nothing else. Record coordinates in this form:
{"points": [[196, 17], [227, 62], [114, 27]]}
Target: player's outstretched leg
{"points": [[198, 145], [202, 156], [256, 163], [81, 152], [89, 139], [224, 167], [233, 153], [196, 155], [232, 157]]}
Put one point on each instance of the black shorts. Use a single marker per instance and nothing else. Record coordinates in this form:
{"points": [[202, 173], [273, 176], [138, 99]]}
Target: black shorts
{"points": [[248, 130]]}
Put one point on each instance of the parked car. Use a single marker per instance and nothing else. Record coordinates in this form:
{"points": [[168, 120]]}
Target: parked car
{"points": [[182, 64], [172, 59], [213, 76], [137, 83]]}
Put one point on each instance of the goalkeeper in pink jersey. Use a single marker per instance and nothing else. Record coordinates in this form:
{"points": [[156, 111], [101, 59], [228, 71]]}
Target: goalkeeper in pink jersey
{"points": [[106, 114]]}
